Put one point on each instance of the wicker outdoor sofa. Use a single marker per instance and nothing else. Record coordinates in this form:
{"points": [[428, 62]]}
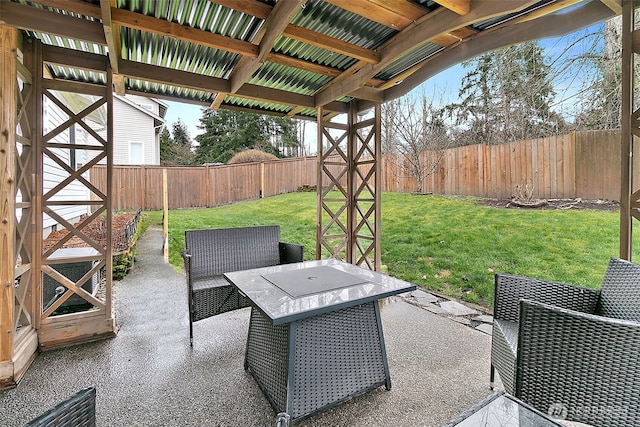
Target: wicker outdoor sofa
{"points": [[571, 351], [210, 253], [78, 410]]}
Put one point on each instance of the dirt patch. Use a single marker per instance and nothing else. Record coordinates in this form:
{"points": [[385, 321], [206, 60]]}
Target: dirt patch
{"points": [[556, 204], [96, 230]]}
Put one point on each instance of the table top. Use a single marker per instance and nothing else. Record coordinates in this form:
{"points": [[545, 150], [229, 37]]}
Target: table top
{"points": [[324, 286], [503, 410]]}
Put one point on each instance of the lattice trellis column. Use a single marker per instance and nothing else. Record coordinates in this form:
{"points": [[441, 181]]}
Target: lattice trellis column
{"points": [[348, 223], [8, 104], [83, 107], [629, 197]]}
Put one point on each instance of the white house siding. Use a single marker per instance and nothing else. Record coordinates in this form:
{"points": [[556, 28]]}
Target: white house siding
{"points": [[134, 125]]}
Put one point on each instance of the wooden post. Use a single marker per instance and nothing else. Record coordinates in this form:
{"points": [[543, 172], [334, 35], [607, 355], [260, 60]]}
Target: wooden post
{"points": [[165, 215], [319, 157], [378, 186], [261, 180], [8, 104], [206, 186], [352, 204], [626, 143], [143, 189], [109, 201]]}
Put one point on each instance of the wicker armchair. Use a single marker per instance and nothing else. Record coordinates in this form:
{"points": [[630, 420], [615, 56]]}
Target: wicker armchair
{"points": [[77, 411], [574, 348], [210, 253]]}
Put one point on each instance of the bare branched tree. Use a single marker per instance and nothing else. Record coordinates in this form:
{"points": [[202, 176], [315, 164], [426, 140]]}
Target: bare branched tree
{"points": [[414, 131]]}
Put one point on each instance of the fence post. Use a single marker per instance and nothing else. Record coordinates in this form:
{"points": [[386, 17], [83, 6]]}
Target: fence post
{"points": [[574, 183], [261, 180], [165, 216], [206, 183], [143, 181]]}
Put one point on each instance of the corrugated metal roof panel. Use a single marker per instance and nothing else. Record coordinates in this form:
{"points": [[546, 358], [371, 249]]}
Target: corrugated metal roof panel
{"points": [[168, 90], [200, 14], [334, 22], [181, 55], [484, 25], [290, 79], [313, 54], [409, 60], [83, 76], [164, 51], [341, 24], [251, 103], [81, 45]]}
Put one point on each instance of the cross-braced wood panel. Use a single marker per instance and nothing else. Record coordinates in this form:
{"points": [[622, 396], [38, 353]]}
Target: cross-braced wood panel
{"points": [[76, 271], [630, 196], [58, 147], [8, 103], [27, 107], [348, 179], [365, 189], [333, 194]]}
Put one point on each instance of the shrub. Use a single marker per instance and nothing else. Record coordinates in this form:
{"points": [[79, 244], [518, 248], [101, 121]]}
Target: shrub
{"points": [[249, 156]]}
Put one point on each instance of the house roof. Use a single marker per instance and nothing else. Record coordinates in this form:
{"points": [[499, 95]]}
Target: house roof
{"points": [[158, 120], [287, 58]]}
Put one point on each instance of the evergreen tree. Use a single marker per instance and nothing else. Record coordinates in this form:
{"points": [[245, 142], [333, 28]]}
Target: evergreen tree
{"points": [[506, 96], [181, 147], [176, 149], [228, 132], [166, 143]]}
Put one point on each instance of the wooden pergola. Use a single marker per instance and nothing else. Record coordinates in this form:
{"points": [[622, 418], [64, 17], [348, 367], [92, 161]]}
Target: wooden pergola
{"points": [[306, 59]]}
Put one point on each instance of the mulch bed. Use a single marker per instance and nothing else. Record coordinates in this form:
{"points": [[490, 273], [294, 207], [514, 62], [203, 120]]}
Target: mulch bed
{"points": [[555, 204], [96, 230]]}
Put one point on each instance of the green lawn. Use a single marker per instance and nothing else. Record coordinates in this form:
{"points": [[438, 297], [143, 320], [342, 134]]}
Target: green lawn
{"points": [[451, 245]]}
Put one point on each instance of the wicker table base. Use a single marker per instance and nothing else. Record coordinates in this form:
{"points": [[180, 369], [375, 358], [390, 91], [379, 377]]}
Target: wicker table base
{"points": [[313, 364]]}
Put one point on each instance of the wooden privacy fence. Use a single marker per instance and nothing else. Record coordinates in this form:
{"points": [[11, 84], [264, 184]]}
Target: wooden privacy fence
{"points": [[201, 186], [579, 164]]}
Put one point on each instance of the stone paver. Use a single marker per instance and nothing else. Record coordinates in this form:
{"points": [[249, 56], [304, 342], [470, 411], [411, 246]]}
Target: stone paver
{"points": [[433, 308], [484, 318], [462, 320], [485, 327], [424, 297], [457, 309]]}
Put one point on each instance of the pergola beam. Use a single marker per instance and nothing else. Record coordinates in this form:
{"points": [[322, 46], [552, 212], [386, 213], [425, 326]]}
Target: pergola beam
{"points": [[277, 21], [161, 27], [44, 21], [396, 14], [614, 5], [461, 7], [111, 34]]}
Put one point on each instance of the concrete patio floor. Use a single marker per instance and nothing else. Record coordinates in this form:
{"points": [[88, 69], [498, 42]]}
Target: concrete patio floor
{"points": [[148, 375]]}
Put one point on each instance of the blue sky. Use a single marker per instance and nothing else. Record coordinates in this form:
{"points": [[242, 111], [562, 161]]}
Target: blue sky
{"points": [[443, 87]]}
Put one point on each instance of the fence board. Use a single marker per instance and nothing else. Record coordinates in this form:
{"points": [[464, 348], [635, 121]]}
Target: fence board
{"points": [[598, 165]]}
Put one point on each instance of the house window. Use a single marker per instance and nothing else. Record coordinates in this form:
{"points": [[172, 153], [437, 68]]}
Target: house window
{"points": [[135, 153]]}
